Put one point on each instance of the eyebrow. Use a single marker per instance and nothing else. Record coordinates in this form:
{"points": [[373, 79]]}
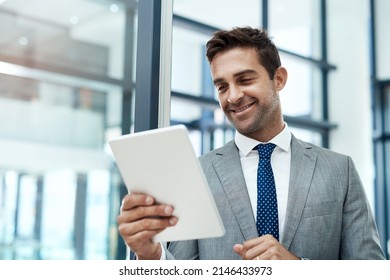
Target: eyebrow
{"points": [[235, 75], [244, 72]]}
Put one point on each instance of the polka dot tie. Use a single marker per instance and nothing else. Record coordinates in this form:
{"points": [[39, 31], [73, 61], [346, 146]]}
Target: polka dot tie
{"points": [[267, 207]]}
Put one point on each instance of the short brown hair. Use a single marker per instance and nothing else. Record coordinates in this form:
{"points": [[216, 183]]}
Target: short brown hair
{"points": [[246, 37]]}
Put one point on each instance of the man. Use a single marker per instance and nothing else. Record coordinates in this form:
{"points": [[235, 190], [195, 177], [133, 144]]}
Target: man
{"points": [[322, 210]]}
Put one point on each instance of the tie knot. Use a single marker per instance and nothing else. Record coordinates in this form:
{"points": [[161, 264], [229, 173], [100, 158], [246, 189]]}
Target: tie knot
{"points": [[265, 150]]}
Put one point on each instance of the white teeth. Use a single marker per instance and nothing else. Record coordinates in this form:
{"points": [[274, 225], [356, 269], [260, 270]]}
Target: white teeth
{"points": [[243, 108]]}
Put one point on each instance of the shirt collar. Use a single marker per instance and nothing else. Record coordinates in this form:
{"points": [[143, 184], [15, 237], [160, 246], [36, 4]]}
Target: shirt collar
{"points": [[246, 144]]}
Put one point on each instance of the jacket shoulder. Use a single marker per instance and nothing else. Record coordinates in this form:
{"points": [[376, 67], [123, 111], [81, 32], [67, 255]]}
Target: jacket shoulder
{"points": [[225, 149], [319, 151]]}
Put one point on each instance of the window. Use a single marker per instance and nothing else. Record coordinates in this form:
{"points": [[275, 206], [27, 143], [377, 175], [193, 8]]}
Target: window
{"points": [[62, 72]]}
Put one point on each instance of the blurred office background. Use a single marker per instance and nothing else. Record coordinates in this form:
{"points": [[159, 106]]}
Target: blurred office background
{"points": [[70, 72]]}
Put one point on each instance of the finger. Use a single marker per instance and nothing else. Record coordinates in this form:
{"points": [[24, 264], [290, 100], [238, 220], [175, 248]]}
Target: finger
{"points": [[255, 241], [141, 240], [141, 212], [136, 234], [258, 246], [147, 224], [254, 253], [151, 211], [136, 199], [267, 240]]}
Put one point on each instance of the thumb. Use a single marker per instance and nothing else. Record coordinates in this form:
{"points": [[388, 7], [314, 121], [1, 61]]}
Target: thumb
{"points": [[238, 249]]}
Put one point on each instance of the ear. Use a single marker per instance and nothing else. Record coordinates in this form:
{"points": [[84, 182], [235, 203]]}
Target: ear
{"points": [[280, 78]]}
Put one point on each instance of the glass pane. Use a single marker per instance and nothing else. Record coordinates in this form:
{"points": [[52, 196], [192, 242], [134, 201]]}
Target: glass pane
{"points": [[299, 34], [382, 26], [307, 135], [61, 77], [72, 35], [188, 58], [220, 13], [386, 108], [208, 125], [302, 95], [97, 200], [57, 234]]}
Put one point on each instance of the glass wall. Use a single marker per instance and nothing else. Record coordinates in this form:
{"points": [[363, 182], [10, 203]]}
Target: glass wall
{"points": [[381, 114], [220, 13], [298, 34], [62, 75], [382, 24], [299, 39]]}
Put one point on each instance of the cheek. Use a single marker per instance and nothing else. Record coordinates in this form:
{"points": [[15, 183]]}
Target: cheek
{"points": [[222, 101], [264, 90]]}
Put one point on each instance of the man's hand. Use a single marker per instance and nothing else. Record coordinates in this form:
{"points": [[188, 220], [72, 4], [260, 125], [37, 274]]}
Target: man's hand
{"points": [[265, 247], [140, 220]]}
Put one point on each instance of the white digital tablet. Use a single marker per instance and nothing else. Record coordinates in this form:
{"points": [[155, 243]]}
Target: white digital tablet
{"points": [[162, 163]]}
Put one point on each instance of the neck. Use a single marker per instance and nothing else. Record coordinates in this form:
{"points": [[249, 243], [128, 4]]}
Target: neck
{"points": [[269, 132]]}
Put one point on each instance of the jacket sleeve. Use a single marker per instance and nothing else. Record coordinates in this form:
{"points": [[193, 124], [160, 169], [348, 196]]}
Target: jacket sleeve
{"points": [[359, 239]]}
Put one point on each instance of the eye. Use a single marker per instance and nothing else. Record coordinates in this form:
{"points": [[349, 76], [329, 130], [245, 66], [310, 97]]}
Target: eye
{"points": [[221, 88], [246, 81]]}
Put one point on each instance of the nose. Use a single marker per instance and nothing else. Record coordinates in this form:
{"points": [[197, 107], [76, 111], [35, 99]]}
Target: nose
{"points": [[235, 95]]}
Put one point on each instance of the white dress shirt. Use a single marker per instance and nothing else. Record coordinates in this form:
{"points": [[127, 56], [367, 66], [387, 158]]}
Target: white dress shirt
{"points": [[280, 162]]}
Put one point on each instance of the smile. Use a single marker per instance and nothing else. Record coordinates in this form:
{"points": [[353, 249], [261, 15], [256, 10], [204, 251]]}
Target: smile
{"points": [[242, 109]]}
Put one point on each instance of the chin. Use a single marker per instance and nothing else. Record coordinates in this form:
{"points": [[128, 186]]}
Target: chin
{"points": [[246, 130]]}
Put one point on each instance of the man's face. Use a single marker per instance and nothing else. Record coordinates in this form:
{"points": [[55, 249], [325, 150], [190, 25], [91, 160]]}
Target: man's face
{"points": [[247, 95]]}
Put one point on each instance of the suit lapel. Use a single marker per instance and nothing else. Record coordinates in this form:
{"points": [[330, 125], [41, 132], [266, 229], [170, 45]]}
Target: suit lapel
{"points": [[302, 168], [227, 165]]}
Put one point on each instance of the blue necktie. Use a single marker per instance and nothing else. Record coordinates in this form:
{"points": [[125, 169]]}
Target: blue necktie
{"points": [[267, 221]]}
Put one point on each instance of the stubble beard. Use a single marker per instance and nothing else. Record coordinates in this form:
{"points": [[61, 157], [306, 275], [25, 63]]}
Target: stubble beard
{"points": [[258, 124]]}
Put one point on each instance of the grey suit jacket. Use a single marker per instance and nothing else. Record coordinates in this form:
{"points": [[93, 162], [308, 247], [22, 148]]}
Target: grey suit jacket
{"points": [[328, 215]]}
